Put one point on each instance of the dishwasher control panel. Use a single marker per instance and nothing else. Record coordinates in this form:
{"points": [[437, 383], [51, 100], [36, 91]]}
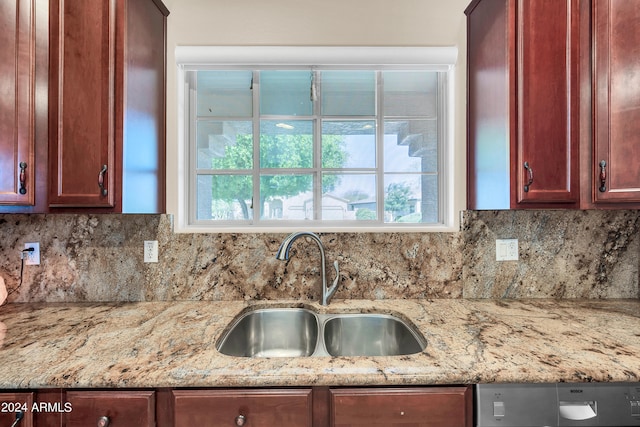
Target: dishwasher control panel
{"points": [[561, 404]]}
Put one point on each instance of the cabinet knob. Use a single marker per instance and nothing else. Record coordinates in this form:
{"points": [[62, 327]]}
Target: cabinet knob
{"points": [[529, 170], [240, 420], [603, 176], [103, 171], [23, 178], [103, 421]]}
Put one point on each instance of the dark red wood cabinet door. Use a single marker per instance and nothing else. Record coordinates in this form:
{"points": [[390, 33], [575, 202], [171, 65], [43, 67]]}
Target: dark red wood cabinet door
{"points": [[616, 100], [81, 106], [17, 102], [547, 169]]}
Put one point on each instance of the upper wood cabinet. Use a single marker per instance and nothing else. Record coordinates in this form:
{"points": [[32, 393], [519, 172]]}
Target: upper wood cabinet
{"points": [[616, 102], [523, 103], [107, 105], [17, 102]]}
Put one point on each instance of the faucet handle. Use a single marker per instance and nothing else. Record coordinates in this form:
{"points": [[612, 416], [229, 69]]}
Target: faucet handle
{"points": [[335, 281]]}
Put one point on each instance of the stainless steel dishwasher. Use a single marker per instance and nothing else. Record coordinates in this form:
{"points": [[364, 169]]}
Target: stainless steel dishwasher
{"points": [[561, 404]]}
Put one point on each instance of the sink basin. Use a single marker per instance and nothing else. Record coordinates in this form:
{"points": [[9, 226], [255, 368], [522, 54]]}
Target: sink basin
{"points": [[370, 335], [300, 332], [272, 333]]}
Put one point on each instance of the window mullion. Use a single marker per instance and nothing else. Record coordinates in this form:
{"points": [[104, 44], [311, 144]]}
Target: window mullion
{"points": [[380, 147], [317, 145], [192, 87], [255, 202]]}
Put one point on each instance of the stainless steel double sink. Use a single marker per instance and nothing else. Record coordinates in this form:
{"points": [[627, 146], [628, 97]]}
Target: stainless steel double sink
{"points": [[301, 332]]}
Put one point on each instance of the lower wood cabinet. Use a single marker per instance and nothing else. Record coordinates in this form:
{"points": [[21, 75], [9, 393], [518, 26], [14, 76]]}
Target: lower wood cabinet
{"points": [[244, 407], [109, 408], [13, 404], [324, 407], [250, 407], [415, 407], [91, 408]]}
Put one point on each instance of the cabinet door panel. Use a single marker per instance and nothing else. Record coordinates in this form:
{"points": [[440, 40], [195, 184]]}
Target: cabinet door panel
{"points": [[82, 116], [548, 101], [616, 95], [406, 407], [17, 102], [259, 408], [122, 408], [12, 402]]}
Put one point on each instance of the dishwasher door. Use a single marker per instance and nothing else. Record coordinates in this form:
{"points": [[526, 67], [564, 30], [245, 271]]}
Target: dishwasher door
{"points": [[556, 405]]}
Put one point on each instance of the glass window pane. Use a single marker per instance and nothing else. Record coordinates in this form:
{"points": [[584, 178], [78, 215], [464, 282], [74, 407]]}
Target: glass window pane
{"points": [[225, 145], [410, 93], [285, 93], [286, 144], [349, 144], [411, 198], [411, 146], [349, 197], [286, 197], [348, 93], [225, 94], [224, 197]]}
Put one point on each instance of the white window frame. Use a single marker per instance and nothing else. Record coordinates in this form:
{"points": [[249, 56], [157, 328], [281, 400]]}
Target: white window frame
{"points": [[279, 57]]}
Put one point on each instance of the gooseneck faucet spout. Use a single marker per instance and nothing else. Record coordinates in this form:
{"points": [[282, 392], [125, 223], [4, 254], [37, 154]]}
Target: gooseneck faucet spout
{"points": [[283, 255]]}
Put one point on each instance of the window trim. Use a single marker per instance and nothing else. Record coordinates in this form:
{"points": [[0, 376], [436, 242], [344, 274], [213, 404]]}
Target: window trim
{"points": [[281, 57]]}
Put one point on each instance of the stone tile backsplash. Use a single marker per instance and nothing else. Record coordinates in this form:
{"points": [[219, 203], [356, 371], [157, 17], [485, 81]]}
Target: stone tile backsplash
{"points": [[563, 254]]}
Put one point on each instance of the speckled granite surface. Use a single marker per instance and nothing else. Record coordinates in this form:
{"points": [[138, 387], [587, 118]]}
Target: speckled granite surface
{"points": [[173, 344], [563, 254]]}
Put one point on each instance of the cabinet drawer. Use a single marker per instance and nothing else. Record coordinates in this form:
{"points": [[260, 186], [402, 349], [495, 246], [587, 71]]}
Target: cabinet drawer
{"points": [[122, 408], [10, 403], [256, 408], [417, 407]]}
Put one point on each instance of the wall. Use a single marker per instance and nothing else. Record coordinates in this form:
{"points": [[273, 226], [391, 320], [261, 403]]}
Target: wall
{"points": [[316, 23], [563, 254]]}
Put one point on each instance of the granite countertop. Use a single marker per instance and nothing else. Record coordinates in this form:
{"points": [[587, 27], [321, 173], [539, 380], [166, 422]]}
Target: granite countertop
{"points": [[172, 344]]}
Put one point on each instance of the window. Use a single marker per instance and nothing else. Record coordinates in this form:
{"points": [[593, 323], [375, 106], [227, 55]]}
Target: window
{"points": [[315, 145]]}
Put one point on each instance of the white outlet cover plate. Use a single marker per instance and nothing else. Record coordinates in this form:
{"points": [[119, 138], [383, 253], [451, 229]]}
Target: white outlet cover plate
{"points": [[32, 258], [150, 251], [506, 249]]}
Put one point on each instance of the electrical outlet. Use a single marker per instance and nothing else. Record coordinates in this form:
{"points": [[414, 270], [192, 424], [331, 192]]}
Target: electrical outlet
{"points": [[33, 257], [506, 249], [150, 251]]}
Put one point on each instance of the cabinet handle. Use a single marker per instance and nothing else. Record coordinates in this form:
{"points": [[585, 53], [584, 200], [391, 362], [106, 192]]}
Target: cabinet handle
{"points": [[23, 178], [103, 171], [240, 420], [530, 173], [103, 421], [603, 176], [19, 416]]}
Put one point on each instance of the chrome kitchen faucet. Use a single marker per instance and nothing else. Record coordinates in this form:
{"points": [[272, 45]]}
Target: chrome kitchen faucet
{"points": [[283, 255]]}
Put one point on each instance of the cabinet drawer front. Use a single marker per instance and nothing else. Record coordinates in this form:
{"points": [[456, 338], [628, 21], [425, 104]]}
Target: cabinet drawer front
{"points": [[10, 403], [123, 408], [416, 407], [259, 408]]}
